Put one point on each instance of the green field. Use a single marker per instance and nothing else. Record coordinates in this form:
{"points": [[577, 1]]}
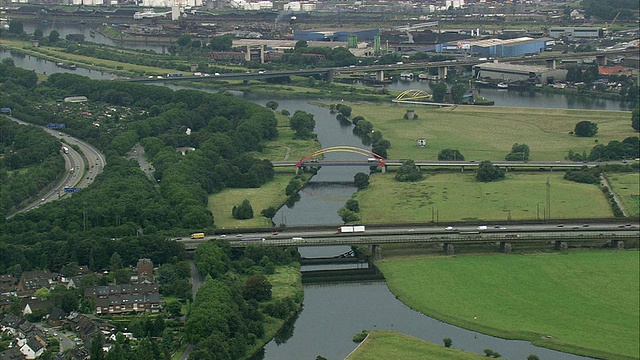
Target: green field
{"points": [[487, 133], [384, 344], [627, 188], [459, 197], [583, 302]]}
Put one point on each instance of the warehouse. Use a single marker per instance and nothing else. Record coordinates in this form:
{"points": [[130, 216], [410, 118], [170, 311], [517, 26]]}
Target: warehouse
{"points": [[497, 47], [518, 73], [335, 35]]}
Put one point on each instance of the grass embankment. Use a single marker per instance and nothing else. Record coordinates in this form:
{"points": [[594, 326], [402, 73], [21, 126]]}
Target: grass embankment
{"points": [[627, 188], [459, 197], [56, 54], [487, 133], [581, 302], [385, 344]]}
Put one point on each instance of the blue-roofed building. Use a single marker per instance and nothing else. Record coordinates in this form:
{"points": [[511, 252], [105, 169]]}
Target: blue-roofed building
{"points": [[497, 47]]}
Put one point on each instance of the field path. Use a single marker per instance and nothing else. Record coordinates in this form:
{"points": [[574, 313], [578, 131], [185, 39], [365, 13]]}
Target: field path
{"points": [[604, 182]]}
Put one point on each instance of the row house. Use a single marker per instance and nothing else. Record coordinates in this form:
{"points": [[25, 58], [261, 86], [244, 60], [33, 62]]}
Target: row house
{"points": [[102, 292], [8, 284], [12, 354], [31, 281], [127, 303]]}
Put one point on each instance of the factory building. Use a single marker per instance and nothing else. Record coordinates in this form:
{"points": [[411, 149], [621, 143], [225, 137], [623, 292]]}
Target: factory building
{"points": [[576, 32], [518, 73], [496, 47], [341, 35]]}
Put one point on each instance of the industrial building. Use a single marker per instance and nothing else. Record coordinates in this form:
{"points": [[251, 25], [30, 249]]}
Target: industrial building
{"points": [[518, 73], [335, 35], [576, 32], [496, 47]]}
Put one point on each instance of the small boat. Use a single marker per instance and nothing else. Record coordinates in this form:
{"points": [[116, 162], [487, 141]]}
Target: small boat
{"points": [[502, 85], [406, 75]]}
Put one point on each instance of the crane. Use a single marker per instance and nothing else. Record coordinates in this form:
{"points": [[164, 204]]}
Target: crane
{"points": [[609, 26]]}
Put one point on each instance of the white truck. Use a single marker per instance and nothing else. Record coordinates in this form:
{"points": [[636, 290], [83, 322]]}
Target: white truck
{"points": [[482, 227], [351, 229]]}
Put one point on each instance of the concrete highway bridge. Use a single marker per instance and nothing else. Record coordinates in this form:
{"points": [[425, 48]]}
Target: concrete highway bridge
{"points": [[328, 73], [504, 241]]}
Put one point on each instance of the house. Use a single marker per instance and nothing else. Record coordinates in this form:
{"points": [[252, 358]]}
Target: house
{"points": [[12, 354], [31, 281], [11, 324], [31, 305], [144, 272], [7, 284], [32, 348], [56, 316], [105, 291], [77, 353]]}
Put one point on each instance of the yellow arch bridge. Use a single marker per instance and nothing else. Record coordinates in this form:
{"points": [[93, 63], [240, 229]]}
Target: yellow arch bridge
{"points": [[370, 155], [413, 95]]}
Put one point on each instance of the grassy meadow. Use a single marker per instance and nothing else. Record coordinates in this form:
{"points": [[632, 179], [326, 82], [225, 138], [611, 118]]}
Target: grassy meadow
{"points": [[385, 344], [487, 133], [459, 197], [627, 188], [584, 302]]}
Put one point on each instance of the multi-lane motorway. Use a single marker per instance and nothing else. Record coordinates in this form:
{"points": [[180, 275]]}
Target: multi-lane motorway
{"points": [[404, 234], [81, 167]]}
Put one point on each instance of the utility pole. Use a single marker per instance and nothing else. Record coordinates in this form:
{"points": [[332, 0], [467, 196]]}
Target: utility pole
{"points": [[548, 200]]}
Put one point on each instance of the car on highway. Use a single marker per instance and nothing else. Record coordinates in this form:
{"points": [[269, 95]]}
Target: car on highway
{"points": [[274, 233], [449, 228]]}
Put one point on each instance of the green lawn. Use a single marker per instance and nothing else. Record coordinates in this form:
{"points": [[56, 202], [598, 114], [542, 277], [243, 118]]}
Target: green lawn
{"points": [[385, 344], [487, 133], [627, 188], [584, 302], [459, 197]]}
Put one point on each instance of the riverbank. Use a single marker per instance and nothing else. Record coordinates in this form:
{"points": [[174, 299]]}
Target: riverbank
{"points": [[384, 344], [546, 298]]}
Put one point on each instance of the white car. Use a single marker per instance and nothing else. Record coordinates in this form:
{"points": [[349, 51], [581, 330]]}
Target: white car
{"points": [[449, 228]]}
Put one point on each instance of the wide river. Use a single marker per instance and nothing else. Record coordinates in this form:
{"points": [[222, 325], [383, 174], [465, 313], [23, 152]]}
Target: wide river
{"points": [[333, 313]]}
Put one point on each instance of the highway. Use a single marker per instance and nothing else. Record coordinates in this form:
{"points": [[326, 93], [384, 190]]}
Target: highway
{"points": [[86, 164], [563, 165], [444, 233]]}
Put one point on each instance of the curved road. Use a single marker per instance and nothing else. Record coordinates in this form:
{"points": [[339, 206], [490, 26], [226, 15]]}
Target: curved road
{"points": [[86, 164]]}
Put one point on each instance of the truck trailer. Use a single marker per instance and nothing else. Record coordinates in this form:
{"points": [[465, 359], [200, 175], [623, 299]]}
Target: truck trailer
{"points": [[351, 229]]}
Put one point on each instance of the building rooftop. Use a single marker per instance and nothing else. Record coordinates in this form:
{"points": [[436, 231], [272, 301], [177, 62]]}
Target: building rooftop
{"points": [[511, 67]]}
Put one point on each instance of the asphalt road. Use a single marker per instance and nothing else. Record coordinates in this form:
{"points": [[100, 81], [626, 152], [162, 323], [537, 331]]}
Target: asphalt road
{"points": [[86, 164]]}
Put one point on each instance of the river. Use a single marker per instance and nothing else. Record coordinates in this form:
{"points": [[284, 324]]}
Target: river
{"points": [[333, 313]]}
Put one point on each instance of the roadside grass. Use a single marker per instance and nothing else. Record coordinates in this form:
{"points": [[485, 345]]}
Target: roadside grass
{"points": [[459, 197], [584, 302], [487, 133], [385, 344], [627, 188]]}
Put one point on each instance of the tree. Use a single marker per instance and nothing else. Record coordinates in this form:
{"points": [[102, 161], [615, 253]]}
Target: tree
{"points": [[15, 27], [269, 212], [409, 172], [300, 44], [586, 129], [37, 34], [457, 93], [635, 119], [303, 124], [447, 342], [257, 287], [533, 357], [488, 172], [347, 215], [439, 91], [54, 36], [353, 205], [519, 152], [184, 40], [273, 105], [96, 352], [450, 155], [243, 211], [361, 180]]}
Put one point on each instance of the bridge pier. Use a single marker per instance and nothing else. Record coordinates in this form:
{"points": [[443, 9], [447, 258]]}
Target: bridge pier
{"points": [[245, 82], [442, 72], [461, 168], [617, 244], [505, 247], [330, 75], [383, 169], [551, 64], [297, 170], [376, 252], [561, 246], [380, 75], [601, 60], [448, 249]]}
